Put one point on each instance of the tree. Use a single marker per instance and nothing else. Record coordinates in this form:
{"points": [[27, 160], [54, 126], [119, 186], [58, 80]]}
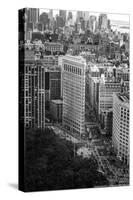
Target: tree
{"points": [[50, 164]]}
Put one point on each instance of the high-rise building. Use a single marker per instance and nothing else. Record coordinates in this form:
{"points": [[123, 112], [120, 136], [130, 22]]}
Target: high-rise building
{"points": [[78, 27], [92, 86], [51, 19], [70, 15], [80, 14], [74, 94], [56, 109], [34, 92], [120, 137], [55, 84], [106, 121], [106, 90], [103, 22], [50, 14], [60, 22], [92, 91], [53, 81], [86, 15], [33, 15], [62, 13], [92, 23], [44, 19]]}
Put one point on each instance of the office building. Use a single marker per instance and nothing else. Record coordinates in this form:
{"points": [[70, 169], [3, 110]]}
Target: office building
{"points": [[34, 92], [92, 91], [106, 90], [44, 19], [90, 57], [86, 16], [53, 47], [49, 61], [56, 109], [92, 23], [82, 15], [62, 13], [60, 23], [32, 15], [70, 15], [50, 14], [74, 94], [120, 137], [106, 121], [55, 84], [103, 22]]}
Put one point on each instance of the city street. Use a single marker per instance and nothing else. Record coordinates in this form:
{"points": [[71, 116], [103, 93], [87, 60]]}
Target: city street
{"points": [[97, 145]]}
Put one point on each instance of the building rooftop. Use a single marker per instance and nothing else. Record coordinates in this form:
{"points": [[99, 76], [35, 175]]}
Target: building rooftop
{"points": [[78, 59], [53, 43]]}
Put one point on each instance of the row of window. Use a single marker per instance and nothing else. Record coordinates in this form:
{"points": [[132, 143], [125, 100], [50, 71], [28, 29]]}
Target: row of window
{"points": [[72, 69]]}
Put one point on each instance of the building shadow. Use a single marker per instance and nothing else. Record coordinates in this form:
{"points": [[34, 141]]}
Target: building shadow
{"points": [[13, 185]]}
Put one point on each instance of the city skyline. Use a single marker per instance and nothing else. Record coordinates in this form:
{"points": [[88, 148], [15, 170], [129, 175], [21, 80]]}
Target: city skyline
{"points": [[111, 16], [74, 99]]}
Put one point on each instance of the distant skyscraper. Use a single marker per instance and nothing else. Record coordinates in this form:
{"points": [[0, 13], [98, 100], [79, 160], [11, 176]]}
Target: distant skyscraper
{"points": [[44, 19], [120, 136], [33, 15], [50, 14], [109, 25], [86, 15], [103, 21], [60, 22], [74, 94], [51, 19], [70, 15], [78, 27], [80, 14], [92, 23], [62, 13]]}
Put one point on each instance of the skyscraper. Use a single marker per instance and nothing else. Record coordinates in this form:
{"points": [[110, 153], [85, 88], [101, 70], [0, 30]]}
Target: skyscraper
{"points": [[60, 22], [33, 15], [34, 92], [106, 90], [44, 19], [55, 84], [50, 14], [92, 23], [74, 93], [70, 15], [62, 13], [51, 19], [80, 14], [86, 15], [103, 22], [120, 136]]}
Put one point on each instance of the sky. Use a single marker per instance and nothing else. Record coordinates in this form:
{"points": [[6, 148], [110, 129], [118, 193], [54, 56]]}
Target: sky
{"points": [[118, 17]]}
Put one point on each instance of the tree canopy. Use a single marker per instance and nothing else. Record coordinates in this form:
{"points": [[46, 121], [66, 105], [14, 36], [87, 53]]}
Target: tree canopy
{"points": [[50, 164]]}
